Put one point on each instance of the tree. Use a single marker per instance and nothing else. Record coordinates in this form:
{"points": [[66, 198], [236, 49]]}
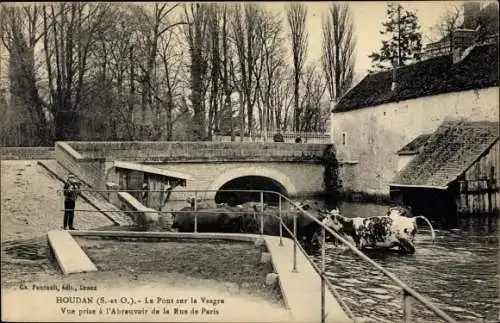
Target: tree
{"points": [[270, 33], [338, 50], [70, 34], [226, 73], [313, 117], [405, 39], [154, 27], [21, 32], [447, 24], [296, 14], [245, 24], [197, 15]]}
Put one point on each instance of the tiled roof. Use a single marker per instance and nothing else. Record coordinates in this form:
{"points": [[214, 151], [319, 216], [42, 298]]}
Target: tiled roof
{"points": [[448, 153], [479, 69], [414, 146]]}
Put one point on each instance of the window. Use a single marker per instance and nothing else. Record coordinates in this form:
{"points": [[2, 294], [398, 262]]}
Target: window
{"points": [[343, 139]]}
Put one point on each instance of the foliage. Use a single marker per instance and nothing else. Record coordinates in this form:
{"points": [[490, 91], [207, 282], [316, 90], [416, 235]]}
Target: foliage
{"points": [[159, 71], [338, 50], [297, 14], [331, 176], [405, 39]]}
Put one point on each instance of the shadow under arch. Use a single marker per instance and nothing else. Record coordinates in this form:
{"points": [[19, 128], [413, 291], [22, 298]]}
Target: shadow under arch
{"points": [[250, 178]]}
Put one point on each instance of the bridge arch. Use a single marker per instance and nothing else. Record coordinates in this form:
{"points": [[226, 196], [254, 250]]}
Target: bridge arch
{"points": [[229, 180]]}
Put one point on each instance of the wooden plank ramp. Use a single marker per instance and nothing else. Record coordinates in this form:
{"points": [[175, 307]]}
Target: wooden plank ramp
{"points": [[302, 289], [69, 255]]}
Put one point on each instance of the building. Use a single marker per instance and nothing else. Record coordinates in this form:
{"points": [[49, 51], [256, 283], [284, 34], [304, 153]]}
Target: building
{"points": [[451, 171], [388, 110], [479, 24]]}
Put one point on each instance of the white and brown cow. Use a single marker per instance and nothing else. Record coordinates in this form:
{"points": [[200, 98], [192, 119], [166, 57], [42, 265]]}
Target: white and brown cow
{"points": [[392, 230]]}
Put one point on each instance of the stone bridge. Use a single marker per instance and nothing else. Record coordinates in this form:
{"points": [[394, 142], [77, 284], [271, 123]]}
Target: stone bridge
{"points": [[289, 168]]}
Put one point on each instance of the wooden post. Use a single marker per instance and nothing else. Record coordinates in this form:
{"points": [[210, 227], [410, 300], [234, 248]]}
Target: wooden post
{"points": [[281, 223], [294, 269], [261, 212], [195, 209], [323, 283], [406, 307]]}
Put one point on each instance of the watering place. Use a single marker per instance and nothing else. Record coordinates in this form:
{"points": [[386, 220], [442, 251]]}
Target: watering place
{"points": [[438, 269]]}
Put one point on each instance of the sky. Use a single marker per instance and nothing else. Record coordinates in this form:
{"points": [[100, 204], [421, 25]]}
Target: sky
{"points": [[368, 17]]}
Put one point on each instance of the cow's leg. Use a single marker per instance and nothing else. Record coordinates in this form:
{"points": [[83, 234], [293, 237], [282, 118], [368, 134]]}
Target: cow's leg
{"points": [[406, 246]]}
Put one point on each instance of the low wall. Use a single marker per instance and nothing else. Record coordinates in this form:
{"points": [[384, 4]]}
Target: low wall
{"points": [[90, 170], [200, 151], [26, 153]]}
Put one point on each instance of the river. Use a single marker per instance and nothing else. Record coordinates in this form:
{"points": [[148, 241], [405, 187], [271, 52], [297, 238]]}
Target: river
{"points": [[458, 273]]}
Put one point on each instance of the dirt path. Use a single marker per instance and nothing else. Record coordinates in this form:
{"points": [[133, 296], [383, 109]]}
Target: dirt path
{"points": [[31, 205]]}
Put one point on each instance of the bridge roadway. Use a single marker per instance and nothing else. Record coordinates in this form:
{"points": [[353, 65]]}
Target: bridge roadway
{"points": [[301, 289]]}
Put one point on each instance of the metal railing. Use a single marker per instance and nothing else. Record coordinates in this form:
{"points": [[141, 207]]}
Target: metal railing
{"points": [[288, 136], [408, 293]]}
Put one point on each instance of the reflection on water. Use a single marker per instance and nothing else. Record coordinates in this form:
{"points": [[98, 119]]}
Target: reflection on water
{"points": [[458, 272]]}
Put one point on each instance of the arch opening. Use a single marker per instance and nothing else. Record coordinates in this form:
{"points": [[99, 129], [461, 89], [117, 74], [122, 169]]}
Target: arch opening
{"points": [[250, 183]]}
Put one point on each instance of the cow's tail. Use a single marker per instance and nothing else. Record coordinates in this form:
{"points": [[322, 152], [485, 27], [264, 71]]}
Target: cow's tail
{"points": [[430, 226]]}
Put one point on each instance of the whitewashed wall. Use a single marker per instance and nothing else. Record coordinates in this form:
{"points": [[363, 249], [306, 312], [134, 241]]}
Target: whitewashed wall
{"points": [[373, 135]]}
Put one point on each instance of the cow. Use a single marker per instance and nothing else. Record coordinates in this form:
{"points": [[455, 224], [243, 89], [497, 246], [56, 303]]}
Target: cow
{"points": [[395, 229], [246, 218], [219, 219]]}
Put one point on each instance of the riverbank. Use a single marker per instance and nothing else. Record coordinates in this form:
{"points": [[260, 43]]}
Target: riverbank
{"points": [[31, 206]]}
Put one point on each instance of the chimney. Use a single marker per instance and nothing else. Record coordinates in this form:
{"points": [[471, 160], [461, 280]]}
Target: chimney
{"points": [[471, 14]]}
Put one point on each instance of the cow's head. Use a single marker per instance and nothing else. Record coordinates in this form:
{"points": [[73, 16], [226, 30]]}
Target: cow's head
{"points": [[333, 219], [403, 228]]}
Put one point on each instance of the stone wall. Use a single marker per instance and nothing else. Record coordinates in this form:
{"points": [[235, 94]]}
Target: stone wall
{"points": [[298, 179], [27, 153], [297, 167], [374, 134]]}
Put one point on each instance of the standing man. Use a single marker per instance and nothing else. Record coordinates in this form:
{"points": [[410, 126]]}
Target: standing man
{"points": [[71, 191]]}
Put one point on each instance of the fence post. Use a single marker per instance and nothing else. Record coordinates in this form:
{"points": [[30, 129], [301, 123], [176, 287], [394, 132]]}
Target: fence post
{"points": [[261, 212], [281, 222], [323, 283], [406, 307], [294, 269], [195, 212]]}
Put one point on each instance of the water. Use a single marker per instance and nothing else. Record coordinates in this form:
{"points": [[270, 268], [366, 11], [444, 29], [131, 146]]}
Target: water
{"points": [[32, 249], [458, 273]]}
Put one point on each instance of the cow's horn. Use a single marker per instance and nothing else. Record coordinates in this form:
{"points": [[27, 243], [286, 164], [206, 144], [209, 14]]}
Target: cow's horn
{"points": [[430, 225]]}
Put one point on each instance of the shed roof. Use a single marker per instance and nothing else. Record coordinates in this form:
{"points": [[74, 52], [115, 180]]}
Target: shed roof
{"points": [[152, 170], [438, 75], [448, 153]]}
